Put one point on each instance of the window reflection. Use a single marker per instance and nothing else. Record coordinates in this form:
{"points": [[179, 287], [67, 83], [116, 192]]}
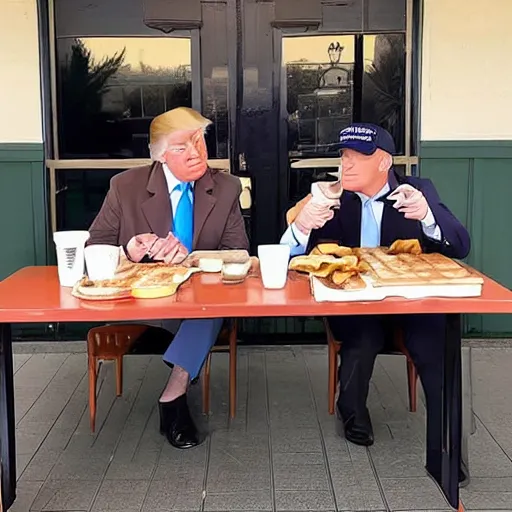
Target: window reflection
{"points": [[109, 90], [318, 73], [383, 100], [80, 194]]}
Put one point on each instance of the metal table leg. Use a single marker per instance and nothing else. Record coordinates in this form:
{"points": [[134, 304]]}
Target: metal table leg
{"points": [[467, 412], [7, 423], [444, 421]]}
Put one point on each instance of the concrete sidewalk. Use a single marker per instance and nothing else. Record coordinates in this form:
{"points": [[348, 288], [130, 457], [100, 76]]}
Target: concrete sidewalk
{"points": [[280, 453]]}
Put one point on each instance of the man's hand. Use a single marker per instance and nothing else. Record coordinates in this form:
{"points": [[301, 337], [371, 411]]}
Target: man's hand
{"points": [[410, 201], [168, 249], [139, 246], [331, 190], [313, 216]]}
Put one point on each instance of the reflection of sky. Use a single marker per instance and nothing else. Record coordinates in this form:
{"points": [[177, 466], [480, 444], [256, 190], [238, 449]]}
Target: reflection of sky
{"points": [[314, 48], [168, 52]]}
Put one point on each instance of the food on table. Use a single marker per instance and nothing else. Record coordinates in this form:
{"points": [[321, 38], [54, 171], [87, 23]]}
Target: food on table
{"points": [[334, 249], [141, 279], [399, 265], [203, 259], [416, 269], [210, 264], [235, 272], [341, 272], [405, 247]]}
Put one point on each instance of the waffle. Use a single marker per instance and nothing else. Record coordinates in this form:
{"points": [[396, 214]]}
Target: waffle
{"points": [[415, 269]]}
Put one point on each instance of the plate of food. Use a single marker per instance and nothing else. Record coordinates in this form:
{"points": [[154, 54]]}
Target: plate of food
{"points": [[139, 280], [212, 261], [340, 273]]}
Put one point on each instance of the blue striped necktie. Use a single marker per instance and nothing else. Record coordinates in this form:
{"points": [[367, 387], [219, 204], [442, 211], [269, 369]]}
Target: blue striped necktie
{"points": [[184, 217]]}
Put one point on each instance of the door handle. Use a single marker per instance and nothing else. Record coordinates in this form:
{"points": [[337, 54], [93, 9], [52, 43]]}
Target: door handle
{"points": [[242, 165]]}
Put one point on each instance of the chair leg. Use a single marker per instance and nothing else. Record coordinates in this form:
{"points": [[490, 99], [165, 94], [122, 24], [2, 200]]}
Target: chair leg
{"points": [[93, 374], [119, 375], [206, 385], [232, 370], [332, 377], [412, 378]]}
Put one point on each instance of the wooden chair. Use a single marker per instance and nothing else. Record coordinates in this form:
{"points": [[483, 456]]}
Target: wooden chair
{"points": [[113, 342], [334, 347]]}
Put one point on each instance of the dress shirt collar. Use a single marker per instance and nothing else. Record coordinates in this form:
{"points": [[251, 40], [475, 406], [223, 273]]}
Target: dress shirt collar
{"points": [[171, 180], [382, 192]]}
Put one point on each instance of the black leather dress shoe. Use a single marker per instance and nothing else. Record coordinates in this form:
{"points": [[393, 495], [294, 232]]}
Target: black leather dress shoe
{"points": [[360, 433], [177, 424]]}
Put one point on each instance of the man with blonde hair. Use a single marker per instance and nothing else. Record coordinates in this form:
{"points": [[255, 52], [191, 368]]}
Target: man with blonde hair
{"points": [[161, 212]]}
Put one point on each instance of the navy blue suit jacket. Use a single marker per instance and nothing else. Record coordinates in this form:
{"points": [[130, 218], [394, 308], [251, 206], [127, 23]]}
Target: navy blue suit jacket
{"points": [[345, 227]]}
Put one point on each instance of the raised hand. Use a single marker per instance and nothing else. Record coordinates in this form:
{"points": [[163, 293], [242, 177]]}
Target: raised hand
{"points": [[410, 201]]}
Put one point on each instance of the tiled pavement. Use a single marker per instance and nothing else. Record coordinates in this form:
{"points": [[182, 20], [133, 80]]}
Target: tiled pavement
{"points": [[281, 452]]}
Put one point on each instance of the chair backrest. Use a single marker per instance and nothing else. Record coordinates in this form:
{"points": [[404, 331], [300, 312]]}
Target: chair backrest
{"points": [[113, 340]]}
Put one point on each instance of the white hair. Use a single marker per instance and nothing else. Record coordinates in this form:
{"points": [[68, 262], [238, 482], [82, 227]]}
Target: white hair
{"points": [[158, 148]]}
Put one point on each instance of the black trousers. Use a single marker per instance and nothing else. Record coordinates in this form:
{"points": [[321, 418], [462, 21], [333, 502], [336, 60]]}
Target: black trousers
{"points": [[363, 337]]}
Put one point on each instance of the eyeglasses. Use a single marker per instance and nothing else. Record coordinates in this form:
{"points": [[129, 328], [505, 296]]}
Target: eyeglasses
{"points": [[194, 141]]}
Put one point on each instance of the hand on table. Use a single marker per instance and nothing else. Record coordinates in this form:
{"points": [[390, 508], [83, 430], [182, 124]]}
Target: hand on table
{"points": [[168, 249], [139, 246], [410, 201]]}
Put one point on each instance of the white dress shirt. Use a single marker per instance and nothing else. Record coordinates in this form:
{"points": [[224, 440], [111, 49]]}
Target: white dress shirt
{"points": [[298, 241]]}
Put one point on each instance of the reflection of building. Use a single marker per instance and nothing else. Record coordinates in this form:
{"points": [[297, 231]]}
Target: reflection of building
{"points": [[328, 108]]}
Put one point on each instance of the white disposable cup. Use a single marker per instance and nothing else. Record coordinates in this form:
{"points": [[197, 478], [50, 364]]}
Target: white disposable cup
{"points": [[101, 261], [70, 255], [274, 260]]}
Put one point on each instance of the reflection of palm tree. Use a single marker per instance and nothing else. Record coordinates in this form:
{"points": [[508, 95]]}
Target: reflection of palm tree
{"points": [[82, 86], [384, 86]]}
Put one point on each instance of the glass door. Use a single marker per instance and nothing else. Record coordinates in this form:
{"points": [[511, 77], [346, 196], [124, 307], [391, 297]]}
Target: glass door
{"points": [[304, 76], [330, 81]]}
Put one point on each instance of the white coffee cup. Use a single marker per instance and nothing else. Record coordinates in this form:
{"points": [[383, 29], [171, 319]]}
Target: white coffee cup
{"points": [[274, 260], [101, 261], [70, 255]]}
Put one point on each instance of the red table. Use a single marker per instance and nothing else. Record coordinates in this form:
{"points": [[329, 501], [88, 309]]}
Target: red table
{"points": [[33, 294]]}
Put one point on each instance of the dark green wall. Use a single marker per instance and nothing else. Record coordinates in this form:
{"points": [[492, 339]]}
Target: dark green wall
{"points": [[23, 225], [474, 179]]}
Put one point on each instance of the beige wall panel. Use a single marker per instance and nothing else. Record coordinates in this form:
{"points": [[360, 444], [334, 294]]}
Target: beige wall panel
{"points": [[20, 103], [466, 74]]}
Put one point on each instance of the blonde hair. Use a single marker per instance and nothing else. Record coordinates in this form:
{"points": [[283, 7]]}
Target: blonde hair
{"points": [[175, 120]]}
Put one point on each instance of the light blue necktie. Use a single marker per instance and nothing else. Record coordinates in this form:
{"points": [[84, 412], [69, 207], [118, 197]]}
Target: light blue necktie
{"points": [[184, 217], [370, 232]]}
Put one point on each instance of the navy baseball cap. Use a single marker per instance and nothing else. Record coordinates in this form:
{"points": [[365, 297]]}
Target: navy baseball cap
{"points": [[366, 138]]}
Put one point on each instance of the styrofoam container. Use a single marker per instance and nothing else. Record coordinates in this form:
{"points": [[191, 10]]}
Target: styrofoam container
{"points": [[322, 293]]}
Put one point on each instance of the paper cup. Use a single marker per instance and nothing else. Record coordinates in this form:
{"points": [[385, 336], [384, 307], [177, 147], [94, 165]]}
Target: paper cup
{"points": [[101, 261], [69, 246], [274, 260]]}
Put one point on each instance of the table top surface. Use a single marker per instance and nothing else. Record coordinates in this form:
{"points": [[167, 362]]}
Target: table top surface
{"points": [[33, 294]]}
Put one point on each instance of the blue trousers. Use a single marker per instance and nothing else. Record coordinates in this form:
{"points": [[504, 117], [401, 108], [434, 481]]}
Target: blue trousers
{"points": [[192, 343]]}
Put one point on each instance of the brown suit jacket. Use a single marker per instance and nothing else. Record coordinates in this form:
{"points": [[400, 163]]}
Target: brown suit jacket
{"points": [[138, 202]]}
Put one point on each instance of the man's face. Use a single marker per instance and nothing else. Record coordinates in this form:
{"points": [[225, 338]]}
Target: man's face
{"points": [[361, 172], [186, 154]]}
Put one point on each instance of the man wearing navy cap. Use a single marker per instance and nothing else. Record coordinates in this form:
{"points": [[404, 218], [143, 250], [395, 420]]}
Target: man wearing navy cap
{"points": [[374, 207]]}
